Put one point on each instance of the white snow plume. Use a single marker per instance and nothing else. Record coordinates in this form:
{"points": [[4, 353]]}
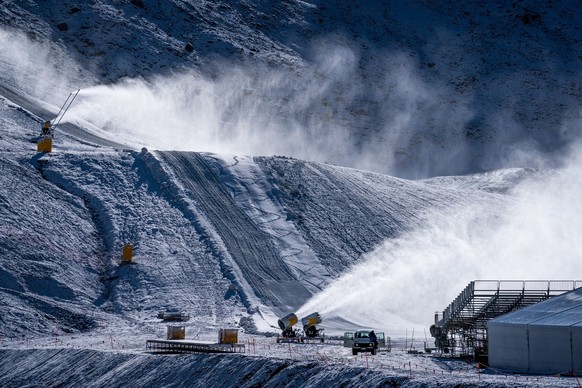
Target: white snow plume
{"points": [[369, 114], [243, 110], [381, 112], [534, 235], [326, 111], [421, 123], [38, 68], [404, 281], [540, 234]]}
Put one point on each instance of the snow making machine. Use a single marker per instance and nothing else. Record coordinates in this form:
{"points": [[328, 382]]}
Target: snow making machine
{"points": [[310, 330], [288, 333]]}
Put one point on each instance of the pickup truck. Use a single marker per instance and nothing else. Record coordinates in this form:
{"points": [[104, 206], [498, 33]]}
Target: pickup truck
{"points": [[360, 341]]}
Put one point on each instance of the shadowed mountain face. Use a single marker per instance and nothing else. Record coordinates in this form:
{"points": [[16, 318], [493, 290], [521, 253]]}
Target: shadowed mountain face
{"points": [[413, 89]]}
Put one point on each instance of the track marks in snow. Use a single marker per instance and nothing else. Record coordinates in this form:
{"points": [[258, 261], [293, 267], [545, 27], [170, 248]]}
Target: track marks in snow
{"points": [[249, 247], [256, 196]]}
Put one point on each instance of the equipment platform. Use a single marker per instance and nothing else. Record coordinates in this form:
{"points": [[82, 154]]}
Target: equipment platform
{"points": [[314, 340], [184, 346], [300, 340]]}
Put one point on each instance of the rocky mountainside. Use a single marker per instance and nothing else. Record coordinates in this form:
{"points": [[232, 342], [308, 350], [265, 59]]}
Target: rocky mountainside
{"points": [[413, 89]]}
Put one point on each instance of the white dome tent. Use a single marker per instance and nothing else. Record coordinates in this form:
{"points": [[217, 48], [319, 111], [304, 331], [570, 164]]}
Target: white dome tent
{"points": [[545, 338]]}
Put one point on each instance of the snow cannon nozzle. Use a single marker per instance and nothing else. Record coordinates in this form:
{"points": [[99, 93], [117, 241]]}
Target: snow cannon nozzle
{"points": [[287, 321], [311, 320], [309, 328]]}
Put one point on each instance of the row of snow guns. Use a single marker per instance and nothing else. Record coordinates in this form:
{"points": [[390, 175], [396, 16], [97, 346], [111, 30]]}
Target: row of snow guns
{"points": [[289, 320]]}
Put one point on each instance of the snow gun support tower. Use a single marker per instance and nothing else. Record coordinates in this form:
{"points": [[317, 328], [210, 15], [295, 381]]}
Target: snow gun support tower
{"points": [[49, 126]]}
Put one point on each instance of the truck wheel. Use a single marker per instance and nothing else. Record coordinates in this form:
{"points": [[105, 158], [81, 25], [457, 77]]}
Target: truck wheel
{"points": [[354, 352], [374, 352]]}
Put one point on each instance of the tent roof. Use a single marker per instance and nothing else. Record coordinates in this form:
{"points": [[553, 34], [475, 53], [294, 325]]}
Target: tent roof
{"points": [[562, 310]]}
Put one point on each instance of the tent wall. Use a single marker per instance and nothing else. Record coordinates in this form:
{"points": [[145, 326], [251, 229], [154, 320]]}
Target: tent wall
{"points": [[549, 349], [577, 348], [544, 338], [508, 346]]}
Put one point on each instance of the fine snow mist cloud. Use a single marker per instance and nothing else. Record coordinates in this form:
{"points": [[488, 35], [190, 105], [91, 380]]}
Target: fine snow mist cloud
{"points": [[238, 112], [383, 112], [533, 235], [38, 68], [249, 109], [330, 110]]}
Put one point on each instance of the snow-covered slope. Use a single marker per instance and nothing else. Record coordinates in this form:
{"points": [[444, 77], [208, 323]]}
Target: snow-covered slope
{"points": [[224, 237], [236, 239]]}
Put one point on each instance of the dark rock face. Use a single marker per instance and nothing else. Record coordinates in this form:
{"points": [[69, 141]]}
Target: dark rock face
{"points": [[138, 3]]}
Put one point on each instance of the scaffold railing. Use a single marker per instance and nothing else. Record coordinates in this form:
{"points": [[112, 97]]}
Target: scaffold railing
{"points": [[461, 329]]}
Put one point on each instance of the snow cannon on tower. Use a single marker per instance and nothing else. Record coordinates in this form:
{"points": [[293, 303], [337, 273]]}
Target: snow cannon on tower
{"points": [[48, 126], [45, 140]]}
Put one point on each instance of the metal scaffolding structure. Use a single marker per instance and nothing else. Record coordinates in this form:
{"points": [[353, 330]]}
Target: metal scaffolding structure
{"points": [[461, 329], [184, 346]]}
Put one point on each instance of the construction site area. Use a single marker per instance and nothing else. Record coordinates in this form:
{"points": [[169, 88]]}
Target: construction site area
{"points": [[461, 332], [404, 362]]}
